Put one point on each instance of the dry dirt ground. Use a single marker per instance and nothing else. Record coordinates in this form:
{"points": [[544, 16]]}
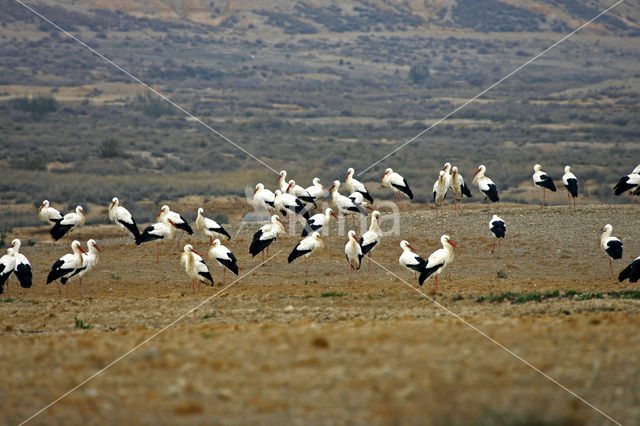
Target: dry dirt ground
{"points": [[276, 348]]}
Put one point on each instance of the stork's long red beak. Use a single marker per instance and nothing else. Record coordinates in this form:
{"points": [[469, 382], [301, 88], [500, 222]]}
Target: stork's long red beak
{"points": [[288, 187], [96, 246], [41, 207], [355, 238], [409, 245], [331, 188], [196, 252], [382, 177], [477, 171], [334, 215], [451, 242], [82, 250], [444, 168], [254, 191], [279, 177]]}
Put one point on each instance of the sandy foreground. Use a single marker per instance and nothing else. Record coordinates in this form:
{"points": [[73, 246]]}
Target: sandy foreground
{"points": [[279, 348]]}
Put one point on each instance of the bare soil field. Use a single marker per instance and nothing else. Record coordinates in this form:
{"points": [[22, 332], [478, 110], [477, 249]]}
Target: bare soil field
{"points": [[279, 348]]}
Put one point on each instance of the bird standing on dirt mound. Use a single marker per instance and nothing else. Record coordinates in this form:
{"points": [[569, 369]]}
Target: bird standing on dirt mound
{"points": [[611, 245], [632, 272], [317, 221], [370, 239], [396, 183], [224, 257], [158, 231], [89, 260], [266, 235], [412, 261], [209, 227], [316, 190], [49, 214], [344, 204], [542, 180], [486, 185], [440, 188], [122, 217], [195, 267], [7, 265], [459, 188], [440, 258], [353, 251], [499, 229], [354, 185], [16, 263], [305, 248], [67, 264], [628, 183], [69, 222], [570, 181], [263, 198], [179, 222]]}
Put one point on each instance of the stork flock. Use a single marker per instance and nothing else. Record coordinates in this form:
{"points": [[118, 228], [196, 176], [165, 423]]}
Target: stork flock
{"points": [[292, 199]]}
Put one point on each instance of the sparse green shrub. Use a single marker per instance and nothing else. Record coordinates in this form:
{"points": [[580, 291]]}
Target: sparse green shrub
{"points": [[110, 148], [37, 105], [418, 73]]}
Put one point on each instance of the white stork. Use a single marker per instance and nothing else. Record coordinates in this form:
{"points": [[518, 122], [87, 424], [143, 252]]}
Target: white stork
{"points": [[300, 193], [632, 272], [570, 181], [263, 198], [48, 214], [397, 183], [179, 222], [316, 190], [459, 188], [447, 175], [370, 239], [499, 229], [305, 248], [629, 183], [439, 259], [542, 180], [282, 181], [412, 261], [122, 217], [611, 245], [345, 204], [209, 227], [266, 235], [195, 267], [284, 202], [22, 268], [354, 185], [66, 265], [353, 251], [486, 185], [440, 188], [69, 222], [7, 266], [89, 260], [317, 221], [224, 257], [158, 231]]}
